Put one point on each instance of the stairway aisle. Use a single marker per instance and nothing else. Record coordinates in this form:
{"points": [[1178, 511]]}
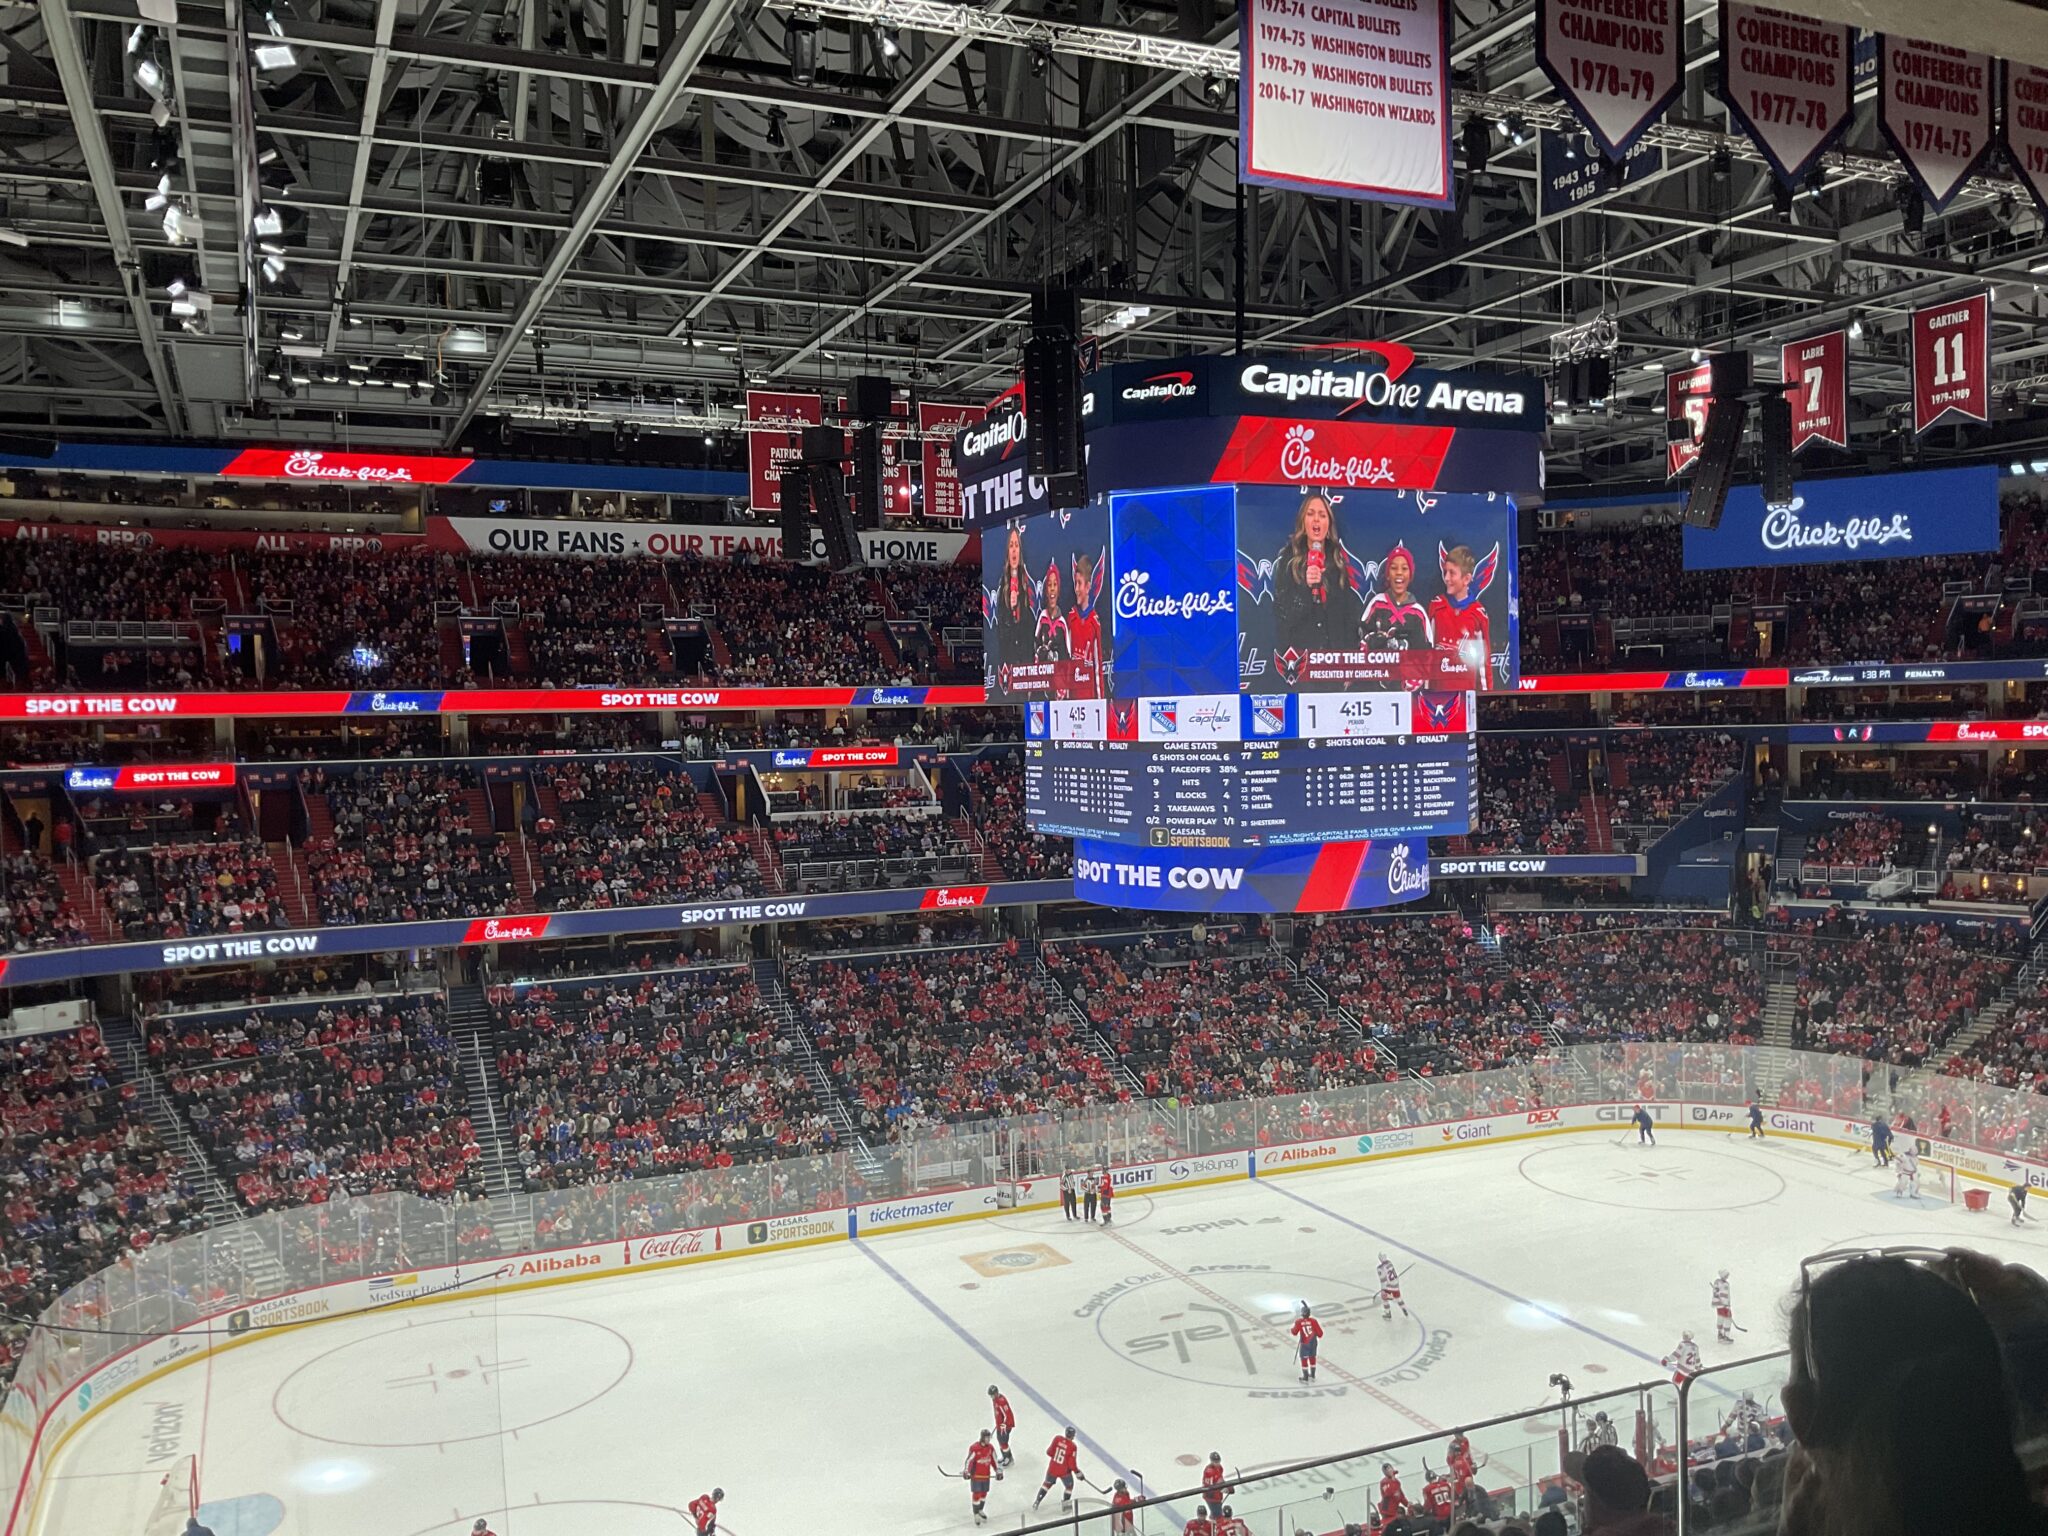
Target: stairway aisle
{"points": [[469, 1025]]}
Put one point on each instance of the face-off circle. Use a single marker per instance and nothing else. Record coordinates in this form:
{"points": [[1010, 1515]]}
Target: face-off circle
{"points": [[452, 1379], [1680, 1178]]}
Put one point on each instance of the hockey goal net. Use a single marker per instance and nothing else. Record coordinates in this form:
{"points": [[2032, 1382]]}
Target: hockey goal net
{"points": [[177, 1499], [1937, 1181]]}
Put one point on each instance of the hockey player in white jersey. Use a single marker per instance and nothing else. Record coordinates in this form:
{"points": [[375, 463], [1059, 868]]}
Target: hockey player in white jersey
{"points": [[1908, 1163], [1745, 1420], [1684, 1362], [1390, 1288], [1724, 1310]]}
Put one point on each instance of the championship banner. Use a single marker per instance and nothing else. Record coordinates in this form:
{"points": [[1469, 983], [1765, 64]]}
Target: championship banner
{"points": [[941, 479], [1618, 71], [1816, 374], [1786, 81], [2023, 128], [1566, 179], [768, 453], [1685, 400], [1952, 361], [1348, 98], [1934, 105]]}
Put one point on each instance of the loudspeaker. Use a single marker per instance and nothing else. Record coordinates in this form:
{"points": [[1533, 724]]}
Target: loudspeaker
{"points": [[824, 445], [870, 398], [1678, 429], [1729, 373], [796, 513], [1052, 398], [867, 476], [1715, 472], [1056, 312], [1774, 427], [835, 521]]}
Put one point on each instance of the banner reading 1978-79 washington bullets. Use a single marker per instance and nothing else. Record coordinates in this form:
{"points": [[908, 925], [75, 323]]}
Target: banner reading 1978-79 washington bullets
{"points": [[1816, 373], [1785, 79], [1350, 98], [2024, 128], [1934, 105], [1619, 66], [1952, 360]]}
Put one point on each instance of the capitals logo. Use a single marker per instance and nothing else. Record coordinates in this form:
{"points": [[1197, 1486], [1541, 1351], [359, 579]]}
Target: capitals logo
{"points": [[1441, 712], [1123, 720], [1166, 716]]}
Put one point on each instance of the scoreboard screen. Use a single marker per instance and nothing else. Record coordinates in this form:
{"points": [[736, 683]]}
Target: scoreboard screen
{"points": [[1227, 794]]}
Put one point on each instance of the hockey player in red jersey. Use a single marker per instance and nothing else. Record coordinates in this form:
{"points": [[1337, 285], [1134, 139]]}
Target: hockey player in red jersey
{"points": [[1227, 1524], [1062, 1463], [481, 1528], [1108, 1186], [1006, 1420], [1393, 1498], [1212, 1483], [1307, 1330], [1122, 1522], [979, 1469], [704, 1511], [1438, 1499], [1200, 1524]]}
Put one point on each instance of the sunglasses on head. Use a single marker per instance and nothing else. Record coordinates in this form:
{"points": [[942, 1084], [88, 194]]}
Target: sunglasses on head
{"points": [[1926, 1258]]}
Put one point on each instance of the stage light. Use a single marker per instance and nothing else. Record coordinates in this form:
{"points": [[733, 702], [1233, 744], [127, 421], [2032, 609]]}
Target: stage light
{"points": [[803, 48]]}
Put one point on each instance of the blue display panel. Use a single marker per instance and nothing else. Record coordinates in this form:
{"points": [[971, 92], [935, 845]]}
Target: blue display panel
{"points": [[1330, 877], [1865, 517], [1174, 626], [1254, 795]]}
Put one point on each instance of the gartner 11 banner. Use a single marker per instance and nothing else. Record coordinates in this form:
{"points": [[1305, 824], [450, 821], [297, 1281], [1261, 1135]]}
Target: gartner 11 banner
{"points": [[1867, 517]]}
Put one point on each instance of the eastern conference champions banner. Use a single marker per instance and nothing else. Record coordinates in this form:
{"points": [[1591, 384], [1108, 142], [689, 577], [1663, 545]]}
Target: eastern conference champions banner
{"points": [[1786, 80], [1350, 98], [1210, 589]]}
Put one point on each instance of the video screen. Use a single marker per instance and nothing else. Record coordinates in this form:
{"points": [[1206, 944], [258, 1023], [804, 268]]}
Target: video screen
{"points": [[1044, 586]]}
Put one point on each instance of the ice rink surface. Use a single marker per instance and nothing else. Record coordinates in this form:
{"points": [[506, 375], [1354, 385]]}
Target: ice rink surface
{"points": [[822, 1388]]}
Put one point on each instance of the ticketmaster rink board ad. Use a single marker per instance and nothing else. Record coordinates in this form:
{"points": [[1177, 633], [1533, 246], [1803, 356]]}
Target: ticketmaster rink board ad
{"points": [[1256, 692]]}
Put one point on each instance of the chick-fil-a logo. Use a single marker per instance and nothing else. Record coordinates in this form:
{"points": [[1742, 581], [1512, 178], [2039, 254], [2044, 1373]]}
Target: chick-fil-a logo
{"points": [[1300, 462], [1132, 601], [1403, 880], [1783, 530]]}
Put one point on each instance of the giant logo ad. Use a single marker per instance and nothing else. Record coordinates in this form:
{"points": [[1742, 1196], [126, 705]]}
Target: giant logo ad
{"points": [[1868, 517], [1327, 877], [1044, 586], [1174, 604]]}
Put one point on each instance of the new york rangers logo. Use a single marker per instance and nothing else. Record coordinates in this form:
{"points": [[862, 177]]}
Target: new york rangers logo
{"points": [[1166, 716], [1269, 717], [1035, 722]]}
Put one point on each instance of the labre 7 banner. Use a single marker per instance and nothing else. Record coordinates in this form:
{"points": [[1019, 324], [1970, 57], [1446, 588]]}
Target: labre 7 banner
{"points": [[1349, 98], [1785, 78], [1952, 361], [2023, 128], [1619, 66], [1934, 105], [1816, 374]]}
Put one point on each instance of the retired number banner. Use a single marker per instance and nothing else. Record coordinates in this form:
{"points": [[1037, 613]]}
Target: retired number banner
{"points": [[2024, 129], [1785, 79], [1816, 374], [1685, 400], [1934, 105], [1619, 63], [941, 480], [769, 452], [1349, 98], [1952, 360]]}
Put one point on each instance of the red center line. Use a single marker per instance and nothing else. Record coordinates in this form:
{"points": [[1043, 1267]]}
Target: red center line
{"points": [[1258, 1322]]}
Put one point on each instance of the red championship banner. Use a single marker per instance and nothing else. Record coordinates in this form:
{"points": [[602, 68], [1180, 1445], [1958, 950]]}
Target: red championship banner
{"points": [[1619, 63], [941, 480], [1685, 401], [1787, 80], [2024, 128], [1952, 360], [769, 452], [1816, 373], [1349, 98], [1934, 105]]}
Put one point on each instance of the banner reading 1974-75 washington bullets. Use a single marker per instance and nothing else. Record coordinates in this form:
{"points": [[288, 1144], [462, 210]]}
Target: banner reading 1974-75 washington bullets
{"points": [[2024, 128], [1952, 360], [1619, 66], [1350, 98], [1816, 374], [1934, 105], [1785, 79]]}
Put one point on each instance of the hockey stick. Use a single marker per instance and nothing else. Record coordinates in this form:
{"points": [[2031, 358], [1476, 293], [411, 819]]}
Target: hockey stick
{"points": [[956, 1476]]}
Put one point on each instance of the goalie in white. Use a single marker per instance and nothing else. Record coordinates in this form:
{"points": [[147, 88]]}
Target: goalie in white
{"points": [[1908, 1161], [1724, 1310]]}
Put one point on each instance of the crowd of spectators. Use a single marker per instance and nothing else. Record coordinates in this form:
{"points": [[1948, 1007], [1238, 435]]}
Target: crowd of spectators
{"points": [[1521, 808], [1428, 988], [1658, 776], [582, 621], [343, 622], [403, 847], [1601, 978], [784, 625], [1867, 842], [998, 818], [920, 1039], [35, 912], [178, 890], [83, 1178], [630, 833], [654, 1073], [296, 1104], [1995, 840], [1891, 992], [870, 849]]}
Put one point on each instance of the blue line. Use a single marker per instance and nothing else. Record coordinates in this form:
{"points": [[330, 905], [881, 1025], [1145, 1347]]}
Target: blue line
{"points": [[1088, 1442], [1467, 1275]]}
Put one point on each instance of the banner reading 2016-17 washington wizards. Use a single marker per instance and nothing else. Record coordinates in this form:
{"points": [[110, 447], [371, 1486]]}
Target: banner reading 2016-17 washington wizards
{"points": [[1044, 602], [1345, 589]]}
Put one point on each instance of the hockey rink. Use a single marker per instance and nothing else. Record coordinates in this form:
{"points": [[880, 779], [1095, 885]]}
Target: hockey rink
{"points": [[822, 1388]]}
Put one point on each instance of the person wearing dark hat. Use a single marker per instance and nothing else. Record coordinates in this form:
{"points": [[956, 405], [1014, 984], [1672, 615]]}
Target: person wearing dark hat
{"points": [[1618, 1496]]}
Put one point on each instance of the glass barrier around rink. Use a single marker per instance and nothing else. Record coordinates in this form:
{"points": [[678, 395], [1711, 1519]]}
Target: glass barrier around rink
{"points": [[1731, 1467]]}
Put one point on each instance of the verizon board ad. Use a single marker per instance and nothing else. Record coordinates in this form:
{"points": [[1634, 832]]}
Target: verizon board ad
{"points": [[1816, 374], [1349, 98], [1934, 105], [1619, 65], [2023, 128], [1685, 404], [1786, 79], [1952, 361], [941, 480], [768, 453], [567, 540]]}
